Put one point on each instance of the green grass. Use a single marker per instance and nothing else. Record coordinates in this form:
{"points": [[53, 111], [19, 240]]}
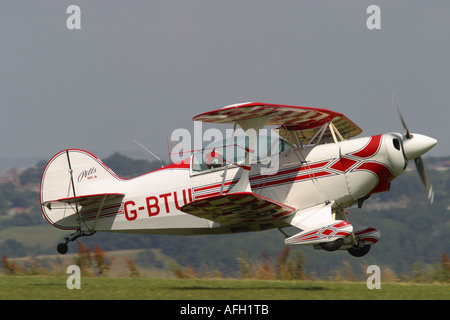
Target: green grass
{"points": [[54, 287]]}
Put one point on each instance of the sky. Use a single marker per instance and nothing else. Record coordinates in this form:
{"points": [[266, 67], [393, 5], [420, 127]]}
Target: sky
{"points": [[138, 70]]}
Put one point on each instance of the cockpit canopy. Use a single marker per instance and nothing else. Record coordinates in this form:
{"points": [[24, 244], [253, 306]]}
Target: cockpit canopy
{"points": [[232, 151]]}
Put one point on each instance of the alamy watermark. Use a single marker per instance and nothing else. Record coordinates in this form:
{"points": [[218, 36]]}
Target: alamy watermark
{"points": [[235, 147], [74, 280], [373, 22], [73, 22], [374, 280]]}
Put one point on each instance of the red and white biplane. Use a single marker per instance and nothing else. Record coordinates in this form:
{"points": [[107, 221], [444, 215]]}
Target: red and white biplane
{"points": [[310, 172]]}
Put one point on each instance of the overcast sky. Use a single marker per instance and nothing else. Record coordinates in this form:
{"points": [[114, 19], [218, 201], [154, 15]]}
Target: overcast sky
{"points": [[140, 69]]}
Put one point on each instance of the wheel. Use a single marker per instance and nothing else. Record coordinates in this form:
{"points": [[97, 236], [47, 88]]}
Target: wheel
{"points": [[332, 246], [62, 248], [359, 252]]}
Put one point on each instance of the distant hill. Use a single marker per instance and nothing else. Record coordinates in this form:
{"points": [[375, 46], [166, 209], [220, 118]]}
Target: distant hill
{"points": [[16, 162], [412, 231]]}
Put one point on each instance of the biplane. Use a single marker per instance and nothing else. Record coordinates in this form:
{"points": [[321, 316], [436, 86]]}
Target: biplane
{"points": [[310, 171]]}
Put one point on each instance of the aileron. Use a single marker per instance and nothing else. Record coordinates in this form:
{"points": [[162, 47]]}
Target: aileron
{"points": [[234, 208]]}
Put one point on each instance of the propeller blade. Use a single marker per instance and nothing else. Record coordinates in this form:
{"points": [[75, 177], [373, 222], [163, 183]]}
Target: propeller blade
{"points": [[413, 148], [424, 176], [407, 133]]}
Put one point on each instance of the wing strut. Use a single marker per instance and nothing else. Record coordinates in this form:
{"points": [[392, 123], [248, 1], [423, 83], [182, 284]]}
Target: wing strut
{"points": [[319, 133], [98, 212], [334, 132], [251, 128], [300, 156], [227, 162]]}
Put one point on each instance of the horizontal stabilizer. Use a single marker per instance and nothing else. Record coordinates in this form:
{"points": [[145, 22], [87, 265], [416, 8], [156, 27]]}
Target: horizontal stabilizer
{"points": [[89, 206], [238, 207], [87, 200]]}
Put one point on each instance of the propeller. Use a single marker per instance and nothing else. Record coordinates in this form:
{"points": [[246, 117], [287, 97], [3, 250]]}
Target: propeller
{"points": [[415, 145], [424, 176], [407, 133]]}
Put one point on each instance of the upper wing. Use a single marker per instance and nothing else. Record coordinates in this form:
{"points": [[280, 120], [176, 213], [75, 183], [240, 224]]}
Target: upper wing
{"points": [[306, 121], [238, 207]]}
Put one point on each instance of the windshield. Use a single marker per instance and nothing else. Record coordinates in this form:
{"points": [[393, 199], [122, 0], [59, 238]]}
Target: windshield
{"points": [[220, 153]]}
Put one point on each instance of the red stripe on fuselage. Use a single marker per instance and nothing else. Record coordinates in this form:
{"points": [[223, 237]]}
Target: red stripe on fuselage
{"points": [[370, 149]]}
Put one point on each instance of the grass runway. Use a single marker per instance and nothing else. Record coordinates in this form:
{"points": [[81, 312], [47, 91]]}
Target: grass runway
{"points": [[95, 288]]}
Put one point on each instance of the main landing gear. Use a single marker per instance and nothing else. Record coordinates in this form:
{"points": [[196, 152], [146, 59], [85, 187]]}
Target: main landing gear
{"points": [[358, 250], [358, 244], [62, 247], [333, 245]]}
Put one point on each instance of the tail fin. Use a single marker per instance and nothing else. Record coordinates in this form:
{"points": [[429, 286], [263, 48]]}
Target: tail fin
{"points": [[73, 174]]}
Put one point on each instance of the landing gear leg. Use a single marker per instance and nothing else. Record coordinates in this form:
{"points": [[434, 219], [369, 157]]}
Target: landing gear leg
{"points": [[284, 233], [62, 247]]}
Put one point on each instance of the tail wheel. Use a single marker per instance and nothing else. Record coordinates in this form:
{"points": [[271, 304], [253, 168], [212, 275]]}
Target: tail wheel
{"points": [[62, 248]]}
